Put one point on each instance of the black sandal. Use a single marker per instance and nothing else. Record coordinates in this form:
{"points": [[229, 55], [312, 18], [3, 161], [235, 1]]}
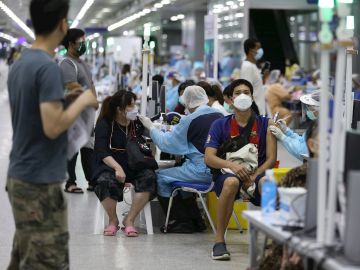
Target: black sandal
{"points": [[75, 190]]}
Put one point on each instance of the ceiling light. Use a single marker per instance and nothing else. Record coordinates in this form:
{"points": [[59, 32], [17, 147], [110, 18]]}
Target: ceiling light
{"points": [[101, 50], [241, 4], [137, 15], [229, 3], [7, 37], [16, 19], [105, 10], [239, 15], [125, 33], [180, 16], [216, 10], [234, 6], [82, 13], [218, 6], [173, 18]]}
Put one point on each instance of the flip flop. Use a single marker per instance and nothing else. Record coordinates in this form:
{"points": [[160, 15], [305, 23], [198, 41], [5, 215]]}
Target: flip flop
{"points": [[75, 190], [130, 231], [111, 230]]}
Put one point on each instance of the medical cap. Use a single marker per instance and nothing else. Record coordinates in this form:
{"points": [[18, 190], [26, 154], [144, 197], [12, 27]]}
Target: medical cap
{"points": [[194, 96], [176, 76], [274, 76]]}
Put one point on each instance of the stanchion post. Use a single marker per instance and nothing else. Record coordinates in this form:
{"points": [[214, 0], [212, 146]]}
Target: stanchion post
{"points": [[145, 68]]}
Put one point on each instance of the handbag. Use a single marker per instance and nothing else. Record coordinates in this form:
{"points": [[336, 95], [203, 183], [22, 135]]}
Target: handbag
{"points": [[139, 154]]}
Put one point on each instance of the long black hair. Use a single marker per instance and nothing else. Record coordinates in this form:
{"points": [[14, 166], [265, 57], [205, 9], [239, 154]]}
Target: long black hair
{"points": [[311, 133], [121, 99], [238, 82]]}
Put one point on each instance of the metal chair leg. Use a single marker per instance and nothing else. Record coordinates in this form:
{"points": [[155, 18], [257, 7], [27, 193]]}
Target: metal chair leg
{"points": [[207, 212], [237, 221], [168, 210]]}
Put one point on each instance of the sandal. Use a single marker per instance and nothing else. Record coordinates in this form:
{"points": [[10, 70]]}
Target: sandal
{"points": [[130, 231], [75, 189], [111, 230]]}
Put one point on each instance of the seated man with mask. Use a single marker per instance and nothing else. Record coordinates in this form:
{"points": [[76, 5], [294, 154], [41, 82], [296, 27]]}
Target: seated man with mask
{"points": [[186, 138]]}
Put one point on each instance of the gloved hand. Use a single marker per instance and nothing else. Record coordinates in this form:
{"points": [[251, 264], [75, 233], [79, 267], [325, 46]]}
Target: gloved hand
{"points": [[146, 122], [277, 133], [282, 125]]}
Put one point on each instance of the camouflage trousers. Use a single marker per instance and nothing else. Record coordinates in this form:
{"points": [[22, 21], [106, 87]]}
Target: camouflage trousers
{"points": [[41, 236]]}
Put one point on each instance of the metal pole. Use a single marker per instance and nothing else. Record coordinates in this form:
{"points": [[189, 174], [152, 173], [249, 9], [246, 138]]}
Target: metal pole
{"points": [[336, 139], [144, 86], [323, 150], [349, 96]]}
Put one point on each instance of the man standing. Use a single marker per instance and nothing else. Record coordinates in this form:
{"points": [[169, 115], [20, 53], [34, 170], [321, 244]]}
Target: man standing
{"points": [[77, 74], [251, 73], [38, 155]]}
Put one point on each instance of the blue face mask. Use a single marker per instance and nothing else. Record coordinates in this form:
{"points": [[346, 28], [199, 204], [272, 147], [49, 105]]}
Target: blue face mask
{"points": [[311, 115], [259, 54]]}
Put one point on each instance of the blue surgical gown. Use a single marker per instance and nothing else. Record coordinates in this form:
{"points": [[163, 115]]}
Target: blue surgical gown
{"points": [[172, 98], [176, 142]]}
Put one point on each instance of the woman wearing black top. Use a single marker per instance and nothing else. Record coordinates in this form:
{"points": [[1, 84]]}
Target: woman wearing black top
{"points": [[117, 119]]}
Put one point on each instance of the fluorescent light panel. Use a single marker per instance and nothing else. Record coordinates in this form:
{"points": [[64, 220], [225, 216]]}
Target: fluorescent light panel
{"points": [[7, 37], [16, 19], [138, 15], [82, 13]]}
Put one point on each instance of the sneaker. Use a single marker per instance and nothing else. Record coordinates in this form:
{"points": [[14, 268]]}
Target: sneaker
{"points": [[220, 252]]}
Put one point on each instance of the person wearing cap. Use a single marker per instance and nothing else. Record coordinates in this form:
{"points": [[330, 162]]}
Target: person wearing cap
{"points": [[294, 143], [275, 95], [250, 128], [172, 94], [188, 139]]}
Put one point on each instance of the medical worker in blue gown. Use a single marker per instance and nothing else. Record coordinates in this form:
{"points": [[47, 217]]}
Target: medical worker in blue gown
{"points": [[294, 143], [172, 95], [188, 139]]}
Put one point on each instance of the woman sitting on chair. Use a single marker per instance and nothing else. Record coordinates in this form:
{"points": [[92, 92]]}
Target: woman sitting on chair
{"points": [[250, 128], [118, 119]]}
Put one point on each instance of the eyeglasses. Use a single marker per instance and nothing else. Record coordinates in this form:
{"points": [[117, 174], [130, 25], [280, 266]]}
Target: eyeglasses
{"points": [[114, 149]]}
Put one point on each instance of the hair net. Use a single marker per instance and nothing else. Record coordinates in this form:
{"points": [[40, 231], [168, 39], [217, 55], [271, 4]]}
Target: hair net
{"points": [[274, 76], [194, 96]]}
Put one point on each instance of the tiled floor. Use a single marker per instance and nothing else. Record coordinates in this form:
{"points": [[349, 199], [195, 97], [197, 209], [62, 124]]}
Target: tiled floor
{"points": [[94, 251]]}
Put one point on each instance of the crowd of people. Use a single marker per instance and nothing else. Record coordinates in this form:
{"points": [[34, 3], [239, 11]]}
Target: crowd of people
{"points": [[216, 116]]}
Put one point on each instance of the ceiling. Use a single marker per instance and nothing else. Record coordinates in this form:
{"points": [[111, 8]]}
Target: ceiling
{"points": [[101, 14]]}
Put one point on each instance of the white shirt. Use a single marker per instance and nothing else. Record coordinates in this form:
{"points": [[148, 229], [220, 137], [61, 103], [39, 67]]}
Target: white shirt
{"points": [[219, 107], [251, 73]]}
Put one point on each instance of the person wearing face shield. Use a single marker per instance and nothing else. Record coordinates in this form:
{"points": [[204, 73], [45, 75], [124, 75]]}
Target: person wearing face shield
{"points": [[186, 138], [76, 76], [117, 121], [247, 127], [294, 143], [250, 72]]}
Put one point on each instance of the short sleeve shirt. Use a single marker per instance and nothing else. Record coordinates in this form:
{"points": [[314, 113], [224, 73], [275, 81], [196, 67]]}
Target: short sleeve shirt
{"points": [[80, 74], [220, 132], [33, 79]]}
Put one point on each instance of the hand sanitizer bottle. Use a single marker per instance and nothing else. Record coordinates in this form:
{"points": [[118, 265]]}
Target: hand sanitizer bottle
{"points": [[268, 196]]}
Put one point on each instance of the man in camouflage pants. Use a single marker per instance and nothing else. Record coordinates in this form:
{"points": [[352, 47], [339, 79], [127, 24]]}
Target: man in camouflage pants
{"points": [[38, 156]]}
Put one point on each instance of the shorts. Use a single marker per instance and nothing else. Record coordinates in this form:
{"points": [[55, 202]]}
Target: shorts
{"points": [[41, 235], [219, 183], [107, 186]]}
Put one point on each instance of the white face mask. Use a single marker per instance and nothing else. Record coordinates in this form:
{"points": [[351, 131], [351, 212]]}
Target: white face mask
{"points": [[181, 100], [132, 114], [242, 102]]}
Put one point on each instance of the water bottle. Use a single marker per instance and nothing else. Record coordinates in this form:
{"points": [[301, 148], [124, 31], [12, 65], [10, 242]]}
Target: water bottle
{"points": [[268, 196]]}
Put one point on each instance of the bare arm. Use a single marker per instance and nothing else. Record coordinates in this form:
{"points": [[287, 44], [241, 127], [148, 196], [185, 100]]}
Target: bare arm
{"points": [[271, 153], [55, 120], [111, 162]]}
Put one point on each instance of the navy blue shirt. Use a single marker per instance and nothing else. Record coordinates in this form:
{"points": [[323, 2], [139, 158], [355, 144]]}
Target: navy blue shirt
{"points": [[220, 132], [33, 79], [199, 129]]}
